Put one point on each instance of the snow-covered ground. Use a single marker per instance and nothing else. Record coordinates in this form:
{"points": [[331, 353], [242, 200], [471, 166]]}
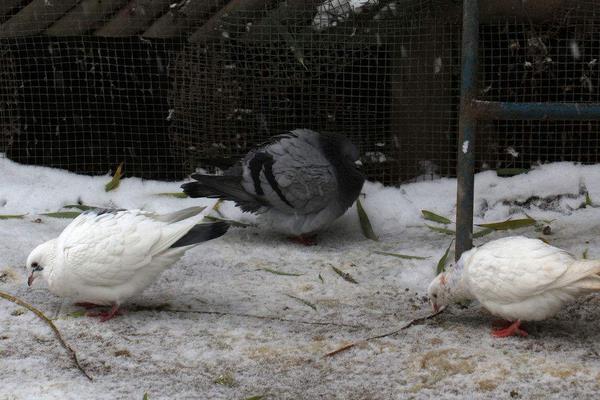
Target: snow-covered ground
{"points": [[220, 325]]}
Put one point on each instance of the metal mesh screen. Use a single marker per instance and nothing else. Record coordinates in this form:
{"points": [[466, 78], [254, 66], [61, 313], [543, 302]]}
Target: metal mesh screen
{"points": [[170, 86]]}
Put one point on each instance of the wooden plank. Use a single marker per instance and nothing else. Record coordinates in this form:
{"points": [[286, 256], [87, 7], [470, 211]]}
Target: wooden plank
{"points": [[35, 17], [210, 30], [7, 5], [86, 16], [180, 20], [134, 18]]}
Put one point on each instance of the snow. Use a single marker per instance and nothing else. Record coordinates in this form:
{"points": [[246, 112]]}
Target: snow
{"points": [[218, 325], [331, 12]]}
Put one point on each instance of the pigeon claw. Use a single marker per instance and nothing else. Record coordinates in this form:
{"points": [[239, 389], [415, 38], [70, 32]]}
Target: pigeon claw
{"points": [[105, 315], [513, 329]]}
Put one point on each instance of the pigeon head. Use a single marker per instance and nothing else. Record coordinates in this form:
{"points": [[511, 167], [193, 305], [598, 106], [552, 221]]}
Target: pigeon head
{"points": [[438, 292], [40, 261]]}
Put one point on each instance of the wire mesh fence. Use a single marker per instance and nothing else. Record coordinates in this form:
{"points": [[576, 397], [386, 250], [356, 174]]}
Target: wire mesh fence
{"points": [[167, 87]]}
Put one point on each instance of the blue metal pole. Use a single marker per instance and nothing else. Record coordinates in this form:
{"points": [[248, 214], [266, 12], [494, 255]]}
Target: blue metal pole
{"points": [[467, 126], [490, 110]]}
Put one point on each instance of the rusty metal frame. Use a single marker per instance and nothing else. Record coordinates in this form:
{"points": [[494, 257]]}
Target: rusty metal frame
{"points": [[472, 110]]}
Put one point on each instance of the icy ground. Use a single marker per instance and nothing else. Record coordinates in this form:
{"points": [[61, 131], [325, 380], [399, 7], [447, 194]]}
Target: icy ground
{"points": [[219, 325]]}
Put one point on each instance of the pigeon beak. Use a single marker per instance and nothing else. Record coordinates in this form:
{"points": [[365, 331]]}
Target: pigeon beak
{"points": [[30, 279]]}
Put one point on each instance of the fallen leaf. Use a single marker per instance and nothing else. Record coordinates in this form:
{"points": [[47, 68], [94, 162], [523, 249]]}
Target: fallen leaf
{"points": [[365, 223], [431, 216], [403, 256], [116, 179], [345, 275]]}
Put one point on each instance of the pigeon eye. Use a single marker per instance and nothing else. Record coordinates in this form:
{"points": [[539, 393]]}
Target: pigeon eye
{"points": [[36, 267], [435, 296]]}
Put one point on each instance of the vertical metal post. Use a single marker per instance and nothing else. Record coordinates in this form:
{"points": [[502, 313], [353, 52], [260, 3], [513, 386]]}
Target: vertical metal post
{"points": [[467, 127]]}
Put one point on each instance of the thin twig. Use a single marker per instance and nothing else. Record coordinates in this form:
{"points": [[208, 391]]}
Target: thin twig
{"points": [[52, 326], [403, 327], [264, 317]]}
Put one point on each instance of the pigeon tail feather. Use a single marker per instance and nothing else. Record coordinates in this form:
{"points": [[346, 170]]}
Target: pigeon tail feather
{"points": [[201, 233], [222, 187]]}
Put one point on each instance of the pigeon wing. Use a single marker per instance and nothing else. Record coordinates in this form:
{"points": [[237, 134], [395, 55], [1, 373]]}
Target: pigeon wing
{"points": [[291, 173], [513, 269], [108, 248]]}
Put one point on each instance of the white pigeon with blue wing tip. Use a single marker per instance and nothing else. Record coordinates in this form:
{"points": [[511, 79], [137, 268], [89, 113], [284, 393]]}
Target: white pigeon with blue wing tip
{"points": [[104, 257], [298, 182], [517, 279]]}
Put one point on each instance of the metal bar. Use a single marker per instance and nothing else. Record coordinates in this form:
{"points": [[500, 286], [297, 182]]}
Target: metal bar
{"points": [[467, 127], [490, 110]]}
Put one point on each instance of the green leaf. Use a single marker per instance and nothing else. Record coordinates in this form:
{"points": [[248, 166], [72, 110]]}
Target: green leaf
{"points": [[509, 224], [77, 314], [321, 279], [365, 224], [62, 214], [231, 222], [305, 302], [511, 171], [12, 216], [179, 195], [146, 397], [588, 199], [403, 256], [441, 265], [431, 216], [255, 398], [116, 179], [345, 275], [279, 272], [81, 207], [482, 233], [585, 254], [441, 230]]}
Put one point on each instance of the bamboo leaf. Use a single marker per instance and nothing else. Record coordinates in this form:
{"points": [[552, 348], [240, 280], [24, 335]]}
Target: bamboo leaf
{"points": [[179, 195], [482, 232], [588, 199], [431, 216], [321, 279], [345, 275], [365, 224], [305, 302], [116, 179], [403, 256], [255, 398], [509, 224], [81, 207], [62, 214], [441, 230], [12, 216], [279, 272], [585, 254], [441, 265], [146, 397], [77, 314]]}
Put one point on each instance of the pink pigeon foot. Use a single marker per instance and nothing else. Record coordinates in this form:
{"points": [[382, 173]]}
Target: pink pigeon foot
{"points": [[106, 315], [307, 240], [87, 305], [511, 330]]}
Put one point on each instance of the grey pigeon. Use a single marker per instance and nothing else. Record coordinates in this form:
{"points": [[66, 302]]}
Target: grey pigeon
{"points": [[298, 182]]}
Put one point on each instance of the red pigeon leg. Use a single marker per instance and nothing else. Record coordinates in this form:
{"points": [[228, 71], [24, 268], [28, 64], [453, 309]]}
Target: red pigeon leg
{"points": [[106, 315], [511, 330], [307, 240]]}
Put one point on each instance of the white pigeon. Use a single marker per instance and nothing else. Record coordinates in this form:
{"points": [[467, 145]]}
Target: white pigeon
{"points": [[517, 279], [298, 182], [104, 257]]}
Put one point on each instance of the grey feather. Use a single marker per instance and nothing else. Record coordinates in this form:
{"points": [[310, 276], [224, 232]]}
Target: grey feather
{"points": [[201, 233], [178, 215]]}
